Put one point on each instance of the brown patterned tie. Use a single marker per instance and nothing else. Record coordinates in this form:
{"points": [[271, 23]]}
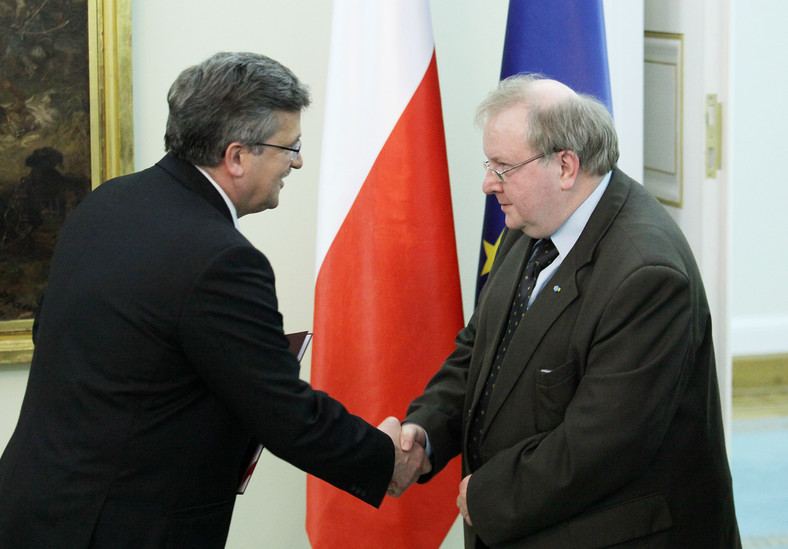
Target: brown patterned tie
{"points": [[543, 254]]}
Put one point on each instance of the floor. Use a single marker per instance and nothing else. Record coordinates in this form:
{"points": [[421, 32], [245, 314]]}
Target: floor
{"points": [[759, 465]]}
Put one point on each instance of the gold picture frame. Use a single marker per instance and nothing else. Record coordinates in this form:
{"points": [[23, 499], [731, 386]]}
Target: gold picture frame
{"points": [[110, 124]]}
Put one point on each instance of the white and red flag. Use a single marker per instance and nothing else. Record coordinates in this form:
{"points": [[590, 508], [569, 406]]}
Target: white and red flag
{"points": [[387, 298]]}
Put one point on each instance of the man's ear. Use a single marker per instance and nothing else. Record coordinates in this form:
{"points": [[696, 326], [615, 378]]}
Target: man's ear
{"points": [[569, 164], [233, 160]]}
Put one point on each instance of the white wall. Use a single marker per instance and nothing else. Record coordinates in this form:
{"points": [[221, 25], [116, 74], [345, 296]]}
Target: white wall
{"points": [[169, 35], [13, 380], [760, 187]]}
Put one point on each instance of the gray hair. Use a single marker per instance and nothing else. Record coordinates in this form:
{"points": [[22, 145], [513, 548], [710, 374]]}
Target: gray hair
{"points": [[578, 123], [229, 97]]}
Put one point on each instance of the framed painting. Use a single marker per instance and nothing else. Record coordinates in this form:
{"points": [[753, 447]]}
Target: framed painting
{"points": [[65, 126]]}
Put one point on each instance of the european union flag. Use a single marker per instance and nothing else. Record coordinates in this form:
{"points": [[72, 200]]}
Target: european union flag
{"points": [[563, 40]]}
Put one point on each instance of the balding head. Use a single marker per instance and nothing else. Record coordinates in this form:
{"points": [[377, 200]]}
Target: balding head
{"points": [[557, 118], [546, 92]]}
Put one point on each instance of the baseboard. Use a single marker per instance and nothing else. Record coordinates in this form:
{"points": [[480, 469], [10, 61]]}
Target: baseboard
{"points": [[761, 371], [759, 335], [760, 386]]}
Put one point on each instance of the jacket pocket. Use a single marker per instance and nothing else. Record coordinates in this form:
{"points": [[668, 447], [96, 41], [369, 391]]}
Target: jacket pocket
{"points": [[200, 527], [554, 390], [621, 523]]}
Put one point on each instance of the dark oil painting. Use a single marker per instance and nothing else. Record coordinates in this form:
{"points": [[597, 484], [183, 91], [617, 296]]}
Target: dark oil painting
{"points": [[44, 139]]}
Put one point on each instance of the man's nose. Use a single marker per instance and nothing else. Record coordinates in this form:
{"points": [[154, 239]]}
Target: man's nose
{"points": [[491, 184]]}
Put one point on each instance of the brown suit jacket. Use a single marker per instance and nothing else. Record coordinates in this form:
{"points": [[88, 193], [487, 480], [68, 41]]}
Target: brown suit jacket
{"points": [[604, 426]]}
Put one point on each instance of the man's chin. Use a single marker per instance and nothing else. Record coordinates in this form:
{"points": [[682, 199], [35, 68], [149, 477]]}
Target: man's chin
{"points": [[269, 205], [511, 224]]}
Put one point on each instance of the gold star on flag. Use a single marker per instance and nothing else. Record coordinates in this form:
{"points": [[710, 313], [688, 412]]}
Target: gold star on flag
{"points": [[490, 250]]}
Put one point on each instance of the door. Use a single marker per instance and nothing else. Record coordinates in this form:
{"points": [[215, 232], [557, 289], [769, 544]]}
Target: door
{"points": [[704, 213]]}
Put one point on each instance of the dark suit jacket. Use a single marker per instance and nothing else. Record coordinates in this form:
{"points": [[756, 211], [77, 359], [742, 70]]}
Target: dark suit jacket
{"points": [[159, 357], [604, 427]]}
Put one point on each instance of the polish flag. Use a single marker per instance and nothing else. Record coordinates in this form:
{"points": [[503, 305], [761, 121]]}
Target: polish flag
{"points": [[387, 299]]}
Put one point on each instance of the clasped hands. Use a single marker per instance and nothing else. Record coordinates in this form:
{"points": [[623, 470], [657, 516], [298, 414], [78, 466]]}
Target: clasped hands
{"points": [[410, 460]]}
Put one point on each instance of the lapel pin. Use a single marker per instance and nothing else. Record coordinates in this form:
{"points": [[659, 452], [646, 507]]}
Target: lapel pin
{"points": [[556, 289]]}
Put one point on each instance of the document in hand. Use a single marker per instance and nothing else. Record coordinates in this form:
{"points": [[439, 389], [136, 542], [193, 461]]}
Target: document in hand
{"points": [[299, 341]]}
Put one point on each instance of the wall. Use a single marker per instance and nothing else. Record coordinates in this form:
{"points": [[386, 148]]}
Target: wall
{"points": [[759, 294], [13, 380], [170, 35]]}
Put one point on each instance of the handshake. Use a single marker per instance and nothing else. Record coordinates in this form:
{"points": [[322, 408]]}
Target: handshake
{"points": [[411, 460]]}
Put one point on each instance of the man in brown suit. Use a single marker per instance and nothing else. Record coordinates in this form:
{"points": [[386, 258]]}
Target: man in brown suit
{"points": [[591, 417]]}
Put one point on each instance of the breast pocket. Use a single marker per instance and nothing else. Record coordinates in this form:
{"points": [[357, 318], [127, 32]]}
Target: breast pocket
{"points": [[554, 390]]}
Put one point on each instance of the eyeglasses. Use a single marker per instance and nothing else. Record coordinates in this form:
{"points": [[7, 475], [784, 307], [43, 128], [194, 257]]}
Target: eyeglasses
{"points": [[507, 170], [295, 150]]}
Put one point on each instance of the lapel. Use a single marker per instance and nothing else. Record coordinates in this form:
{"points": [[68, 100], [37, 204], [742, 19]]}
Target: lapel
{"points": [[191, 178], [550, 302], [499, 292]]}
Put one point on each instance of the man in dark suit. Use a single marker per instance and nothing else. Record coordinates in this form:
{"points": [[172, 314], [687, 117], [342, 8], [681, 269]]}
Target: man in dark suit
{"points": [[160, 357], [587, 416]]}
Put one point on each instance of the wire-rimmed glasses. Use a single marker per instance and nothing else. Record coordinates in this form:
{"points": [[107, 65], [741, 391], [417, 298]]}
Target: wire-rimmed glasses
{"points": [[486, 164]]}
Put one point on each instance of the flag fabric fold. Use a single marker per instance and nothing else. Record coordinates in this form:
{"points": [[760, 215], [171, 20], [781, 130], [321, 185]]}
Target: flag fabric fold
{"points": [[387, 296], [561, 39]]}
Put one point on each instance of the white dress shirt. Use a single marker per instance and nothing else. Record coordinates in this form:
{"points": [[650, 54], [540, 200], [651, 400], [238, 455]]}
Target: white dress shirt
{"points": [[568, 233], [226, 198]]}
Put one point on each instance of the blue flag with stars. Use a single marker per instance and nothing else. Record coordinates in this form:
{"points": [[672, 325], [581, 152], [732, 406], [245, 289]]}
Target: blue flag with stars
{"points": [[561, 39]]}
